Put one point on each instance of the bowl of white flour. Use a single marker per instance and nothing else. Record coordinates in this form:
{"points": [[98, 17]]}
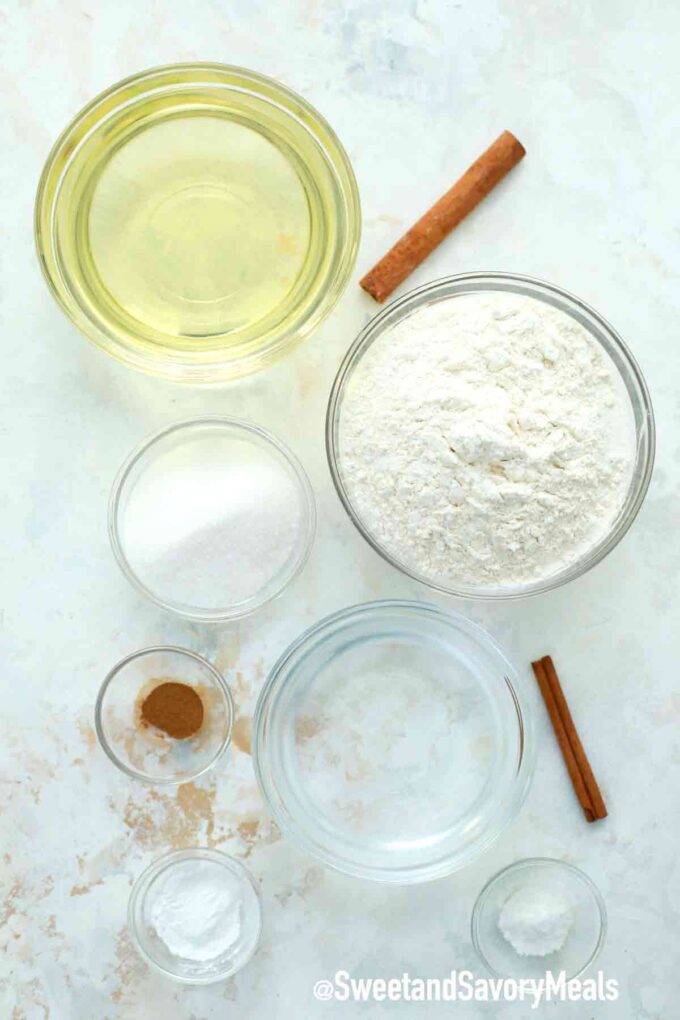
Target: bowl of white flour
{"points": [[490, 435]]}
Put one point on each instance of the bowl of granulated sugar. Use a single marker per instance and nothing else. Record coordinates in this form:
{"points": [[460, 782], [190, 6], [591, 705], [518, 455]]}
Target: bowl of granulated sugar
{"points": [[490, 435], [211, 518]]}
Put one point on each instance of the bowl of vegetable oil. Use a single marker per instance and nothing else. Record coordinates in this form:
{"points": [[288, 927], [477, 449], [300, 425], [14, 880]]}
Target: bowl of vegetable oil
{"points": [[195, 221]]}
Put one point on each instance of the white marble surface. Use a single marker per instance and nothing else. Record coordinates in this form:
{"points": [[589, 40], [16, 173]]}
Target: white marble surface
{"points": [[415, 90]]}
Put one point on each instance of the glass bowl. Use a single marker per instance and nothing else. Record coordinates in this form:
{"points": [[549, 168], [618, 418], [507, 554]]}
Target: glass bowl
{"points": [[211, 517], [614, 348], [144, 752], [162, 878], [195, 221], [584, 940], [393, 741]]}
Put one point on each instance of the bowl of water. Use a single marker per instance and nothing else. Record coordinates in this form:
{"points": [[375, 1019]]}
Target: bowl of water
{"points": [[393, 741]]}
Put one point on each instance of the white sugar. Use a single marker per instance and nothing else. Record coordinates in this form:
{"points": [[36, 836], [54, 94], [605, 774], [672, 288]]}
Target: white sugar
{"points": [[209, 524]]}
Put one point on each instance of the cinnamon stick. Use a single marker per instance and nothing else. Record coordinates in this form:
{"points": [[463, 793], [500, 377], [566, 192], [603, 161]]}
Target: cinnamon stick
{"points": [[432, 228], [575, 758], [576, 745]]}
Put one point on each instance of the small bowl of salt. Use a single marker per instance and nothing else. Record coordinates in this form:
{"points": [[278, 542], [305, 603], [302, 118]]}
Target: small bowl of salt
{"points": [[536, 916], [195, 915]]}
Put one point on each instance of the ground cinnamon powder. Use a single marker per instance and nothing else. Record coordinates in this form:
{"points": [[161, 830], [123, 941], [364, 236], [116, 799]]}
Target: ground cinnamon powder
{"points": [[174, 708]]}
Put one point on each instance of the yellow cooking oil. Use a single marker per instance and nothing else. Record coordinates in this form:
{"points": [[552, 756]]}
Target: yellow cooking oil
{"points": [[197, 227], [196, 221]]}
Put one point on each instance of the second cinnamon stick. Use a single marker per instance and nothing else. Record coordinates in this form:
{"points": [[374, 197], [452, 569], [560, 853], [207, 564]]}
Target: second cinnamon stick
{"points": [[573, 753], [596, 798], [558, 726]]}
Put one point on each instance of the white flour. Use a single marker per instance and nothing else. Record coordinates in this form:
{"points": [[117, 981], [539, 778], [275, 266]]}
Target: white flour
{"points": [[197, 910], [486, 439]]}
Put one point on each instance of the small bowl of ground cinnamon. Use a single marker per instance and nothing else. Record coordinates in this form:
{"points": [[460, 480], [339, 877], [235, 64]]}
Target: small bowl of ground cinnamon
{"points": [[164, 715]]}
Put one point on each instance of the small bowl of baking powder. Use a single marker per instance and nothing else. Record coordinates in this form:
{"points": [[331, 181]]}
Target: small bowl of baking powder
{"points": [[490, 435], [195, 915]]}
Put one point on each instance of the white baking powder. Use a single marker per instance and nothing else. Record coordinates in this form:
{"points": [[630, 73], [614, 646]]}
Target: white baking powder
{"points": [[536, 921], [196, 910], [486, 439]]}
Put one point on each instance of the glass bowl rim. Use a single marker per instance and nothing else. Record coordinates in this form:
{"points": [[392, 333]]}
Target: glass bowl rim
{"points": [[540, 862], [442, 866], [493, 280], [269, 438], [220, 683], [219, 367], [161, 864]]}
